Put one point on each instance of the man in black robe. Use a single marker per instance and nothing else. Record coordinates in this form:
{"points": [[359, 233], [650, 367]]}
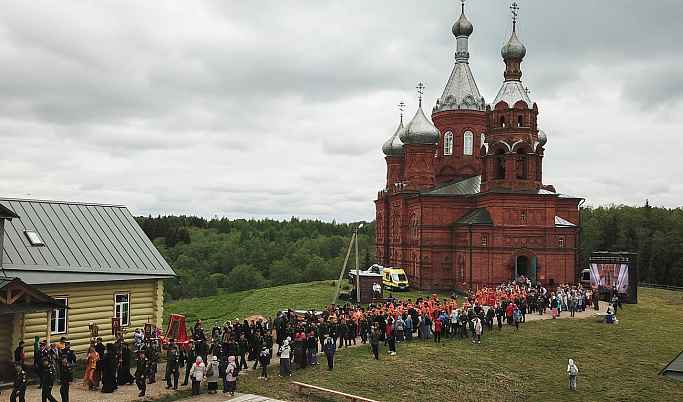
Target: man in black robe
{"points": [[108, 366], [124, 376]]}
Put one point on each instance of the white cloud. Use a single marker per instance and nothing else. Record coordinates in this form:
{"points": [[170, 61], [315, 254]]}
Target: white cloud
{"points": [[280, 108]]}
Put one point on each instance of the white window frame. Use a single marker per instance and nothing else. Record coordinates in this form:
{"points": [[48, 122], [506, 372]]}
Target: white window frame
{"points": [[560, 242], [448, 143], [468, 143], [120, 306], [34, 238], [60, 318], [523, 216], [484, 241]]}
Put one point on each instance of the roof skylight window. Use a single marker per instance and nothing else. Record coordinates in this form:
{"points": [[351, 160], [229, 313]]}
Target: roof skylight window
{"points": [[34, 238]]}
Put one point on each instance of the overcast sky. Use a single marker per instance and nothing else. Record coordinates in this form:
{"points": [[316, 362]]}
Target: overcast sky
{"points": [[280, 108]]}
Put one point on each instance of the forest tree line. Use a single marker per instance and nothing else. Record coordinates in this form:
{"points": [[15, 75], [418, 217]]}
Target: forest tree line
{"points": [[246, 254], [655, 233]]}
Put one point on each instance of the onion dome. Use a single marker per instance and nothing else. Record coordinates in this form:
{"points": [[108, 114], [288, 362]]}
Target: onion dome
{"points": [[514, 49], [462, 26], [420, 131], [394, 146], [542, 137]]}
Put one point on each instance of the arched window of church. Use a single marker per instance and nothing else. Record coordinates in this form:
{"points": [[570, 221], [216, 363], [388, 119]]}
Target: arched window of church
{"points": [[521, 167], [502, 121], [500, 165], [414, 224], [468, 141], [520, 121], [448, 143]]}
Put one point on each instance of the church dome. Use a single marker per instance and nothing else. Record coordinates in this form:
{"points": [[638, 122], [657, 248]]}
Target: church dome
{"points": [[462, 26], [514, 49], [542, 137], [420, 131], [393, 146]]}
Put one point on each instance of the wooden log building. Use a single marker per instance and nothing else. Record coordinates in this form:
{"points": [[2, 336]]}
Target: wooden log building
{"points": [[66, 265]]}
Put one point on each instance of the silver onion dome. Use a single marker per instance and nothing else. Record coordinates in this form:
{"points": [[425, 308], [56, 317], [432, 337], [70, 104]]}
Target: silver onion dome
{"points": [[420, 131], [542, 137], [462, 26], [514, 49], [393, 146]]}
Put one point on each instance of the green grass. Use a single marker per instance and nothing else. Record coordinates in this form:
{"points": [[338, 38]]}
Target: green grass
{"points": [[266, 302], [617, 362]]}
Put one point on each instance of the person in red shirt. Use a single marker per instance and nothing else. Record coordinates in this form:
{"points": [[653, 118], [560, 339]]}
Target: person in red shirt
{"points": [[19, 353], [508, 312]]}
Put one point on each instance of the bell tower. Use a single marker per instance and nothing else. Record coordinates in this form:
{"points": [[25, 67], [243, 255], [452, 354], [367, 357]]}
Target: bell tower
{"points": [[512, 152]]}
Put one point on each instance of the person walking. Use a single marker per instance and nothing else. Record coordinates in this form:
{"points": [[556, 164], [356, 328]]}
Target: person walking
{"points": [[212, 374], [286, 359], [264, 359], [478, 329], [48, 381], [231, 376], [374, 340], [329, 350], [391, 337], [142, 372], [173, 368], [19, 388], [517, 317], [66, 376], [573, 371], [438, 325], [92, 375], [197, 373], [191, 357]]}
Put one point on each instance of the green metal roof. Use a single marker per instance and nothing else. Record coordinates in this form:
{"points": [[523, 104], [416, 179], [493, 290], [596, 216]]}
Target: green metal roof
{"points": [[82, 242], [479, 216], [674, 369], [460, 186], [5, 213]]}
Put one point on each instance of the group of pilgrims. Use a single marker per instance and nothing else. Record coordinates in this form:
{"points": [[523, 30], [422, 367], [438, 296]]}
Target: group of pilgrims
{"points": [[301, 335]]}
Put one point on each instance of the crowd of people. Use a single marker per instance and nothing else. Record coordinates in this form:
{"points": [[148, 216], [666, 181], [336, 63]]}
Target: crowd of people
{"points": [[296, 338]]}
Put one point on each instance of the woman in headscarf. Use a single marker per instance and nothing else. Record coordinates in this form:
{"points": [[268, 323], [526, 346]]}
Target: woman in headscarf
{"points": [[285, 359], [197, 374], [92, 376], [298, 351], [108, 366], [230, 378]]}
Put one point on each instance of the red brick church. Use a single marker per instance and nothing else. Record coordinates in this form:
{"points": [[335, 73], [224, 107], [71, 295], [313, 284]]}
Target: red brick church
{"points": [[465, 204]]}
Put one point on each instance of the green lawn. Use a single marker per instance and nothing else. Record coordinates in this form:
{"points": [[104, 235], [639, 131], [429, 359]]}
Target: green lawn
{"points": [[617, 362]]}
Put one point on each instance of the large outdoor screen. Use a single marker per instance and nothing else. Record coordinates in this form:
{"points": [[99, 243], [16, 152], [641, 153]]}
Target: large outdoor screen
{"points": [[615, 272]]}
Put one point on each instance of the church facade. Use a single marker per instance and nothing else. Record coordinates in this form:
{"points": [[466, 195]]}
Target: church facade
{"points": [[464, 204]]}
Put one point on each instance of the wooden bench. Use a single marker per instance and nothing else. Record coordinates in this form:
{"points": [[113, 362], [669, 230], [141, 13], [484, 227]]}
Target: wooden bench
{"points": [[354, 398]]}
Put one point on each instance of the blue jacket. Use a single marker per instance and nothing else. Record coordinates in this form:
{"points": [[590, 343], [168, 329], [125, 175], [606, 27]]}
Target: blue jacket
{"points": [[329, 348]]}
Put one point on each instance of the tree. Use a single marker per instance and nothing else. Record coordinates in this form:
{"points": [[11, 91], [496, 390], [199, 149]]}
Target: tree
{"points": [[283, 272], [245, 277]]}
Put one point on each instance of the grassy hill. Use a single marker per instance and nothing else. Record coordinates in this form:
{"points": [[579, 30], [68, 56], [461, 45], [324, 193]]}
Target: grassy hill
{"points": [[617, 362]]}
